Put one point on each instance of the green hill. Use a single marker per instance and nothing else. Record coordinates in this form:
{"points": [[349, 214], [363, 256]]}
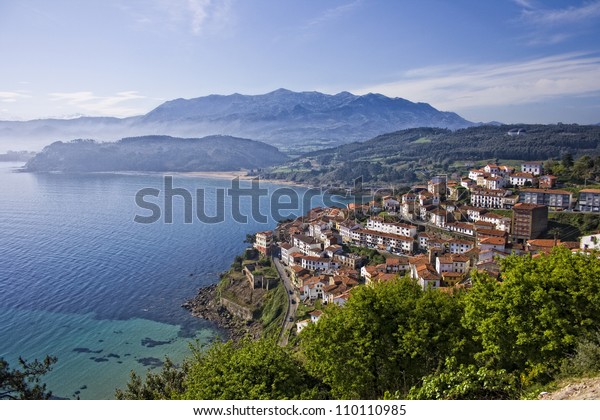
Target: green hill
{"points": [[156, 153], [402, 156]]}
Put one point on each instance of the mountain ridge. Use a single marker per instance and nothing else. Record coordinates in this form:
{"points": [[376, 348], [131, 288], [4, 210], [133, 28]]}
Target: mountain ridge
{"points": [[284, 118]]}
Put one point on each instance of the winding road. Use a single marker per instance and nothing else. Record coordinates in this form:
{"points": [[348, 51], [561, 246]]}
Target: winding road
{"points": [[291, 307]]}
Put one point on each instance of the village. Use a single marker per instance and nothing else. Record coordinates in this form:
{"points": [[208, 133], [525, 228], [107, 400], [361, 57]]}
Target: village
{"points": [[437, 234]]}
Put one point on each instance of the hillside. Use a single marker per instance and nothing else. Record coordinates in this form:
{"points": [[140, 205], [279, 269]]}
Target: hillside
{"points": [[289, 120], [580, 389], [156, 153], [409, 155]]}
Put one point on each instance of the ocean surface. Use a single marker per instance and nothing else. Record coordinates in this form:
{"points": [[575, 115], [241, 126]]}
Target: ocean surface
{"points": [[80, 280]]}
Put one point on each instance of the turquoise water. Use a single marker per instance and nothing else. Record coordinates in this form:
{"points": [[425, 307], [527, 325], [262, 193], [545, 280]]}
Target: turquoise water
{"points": [[80, 280]]}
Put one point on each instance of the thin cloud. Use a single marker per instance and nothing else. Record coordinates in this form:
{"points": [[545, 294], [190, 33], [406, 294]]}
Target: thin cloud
{"points": [[198, 17], [90, 103], [553, 26], [567, 16], [524, 3], [12, 96], [461, 87], [333, 13]]}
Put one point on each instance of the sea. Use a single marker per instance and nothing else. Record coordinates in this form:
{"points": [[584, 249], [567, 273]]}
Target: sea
{"points": [[82, 279]]}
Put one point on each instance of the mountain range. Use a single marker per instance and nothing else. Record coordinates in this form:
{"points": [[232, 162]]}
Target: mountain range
{"points": [[292, 121]]}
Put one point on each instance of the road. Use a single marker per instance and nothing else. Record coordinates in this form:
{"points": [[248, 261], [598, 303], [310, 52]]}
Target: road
{"points": [[291, 308]]}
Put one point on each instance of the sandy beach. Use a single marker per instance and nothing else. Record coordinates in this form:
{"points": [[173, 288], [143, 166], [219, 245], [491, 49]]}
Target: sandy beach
{"points": [[216, 174], [236, 174]]}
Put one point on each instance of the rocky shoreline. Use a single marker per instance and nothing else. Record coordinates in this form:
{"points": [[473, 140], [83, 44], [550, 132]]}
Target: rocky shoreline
{"points": [[206, 305]]}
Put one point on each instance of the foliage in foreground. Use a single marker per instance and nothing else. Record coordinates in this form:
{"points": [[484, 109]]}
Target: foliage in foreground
{"points": [[24, 383], [254, 370], [385, 339], [467, 382], [166, 384]]}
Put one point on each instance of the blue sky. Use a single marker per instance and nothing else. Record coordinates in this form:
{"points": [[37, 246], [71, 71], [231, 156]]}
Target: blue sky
{"points": [[507, 60]]}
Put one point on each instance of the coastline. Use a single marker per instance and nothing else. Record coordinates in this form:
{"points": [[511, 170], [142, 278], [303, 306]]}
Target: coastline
{"points": [[206, 305], [243, 175], [237, 174]]}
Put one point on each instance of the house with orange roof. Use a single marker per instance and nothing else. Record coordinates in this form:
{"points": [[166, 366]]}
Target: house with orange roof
{"points": [[298, 273], [397, 264], [313, 263], [368, 272], [535, 168], [451, 279], [427, 277], [382, 278], [263, 242], [315, 316], [341, 299], [312, 288], [491, 254], [461, 227], [546, 245], [521, 179], [352, 261], [459, 246], [548, 181], [332, 290], [287, 250], [499, 221], [492, 243]]}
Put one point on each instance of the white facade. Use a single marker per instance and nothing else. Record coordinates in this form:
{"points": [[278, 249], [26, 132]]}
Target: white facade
{"points": [[459, 247], [395, 228], [534, 168]]}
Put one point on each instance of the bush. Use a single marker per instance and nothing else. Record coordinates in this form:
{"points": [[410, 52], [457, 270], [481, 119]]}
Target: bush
{"points": [[586, 360]]}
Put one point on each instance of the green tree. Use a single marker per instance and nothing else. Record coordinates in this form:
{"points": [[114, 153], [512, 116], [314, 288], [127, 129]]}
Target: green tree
{"points": [[567, 160], [166, 384], [252, 370], [383, 340], [534, 318], [467, 382], [24, 383]]}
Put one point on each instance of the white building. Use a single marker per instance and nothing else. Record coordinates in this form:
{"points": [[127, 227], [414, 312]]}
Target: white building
{"points": [[589, 242], [401, 229], [534, 168]]}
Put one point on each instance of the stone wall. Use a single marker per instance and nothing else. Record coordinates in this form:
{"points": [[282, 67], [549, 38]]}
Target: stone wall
{"points": [[237, 309]]}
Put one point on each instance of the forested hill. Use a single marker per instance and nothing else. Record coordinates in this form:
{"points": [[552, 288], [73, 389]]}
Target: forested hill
{"points": [[533, 142], [156, 153], [396, 156]]}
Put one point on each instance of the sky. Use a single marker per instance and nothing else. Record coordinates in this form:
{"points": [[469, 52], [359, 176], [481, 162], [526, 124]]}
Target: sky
{"points": [[527, 61]]}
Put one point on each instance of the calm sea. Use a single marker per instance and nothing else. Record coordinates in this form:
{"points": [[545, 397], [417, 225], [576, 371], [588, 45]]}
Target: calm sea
{"points": [[80, 280]]}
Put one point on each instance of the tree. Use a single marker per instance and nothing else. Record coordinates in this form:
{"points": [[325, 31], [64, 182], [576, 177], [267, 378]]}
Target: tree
{"points": [[567, 160], [24, 383], [467, 382], [166, 384], [383, 340], [528, 323], [252, 370]]}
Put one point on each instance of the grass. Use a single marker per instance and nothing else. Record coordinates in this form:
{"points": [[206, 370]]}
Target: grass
{"points": [[274, 311], [501, 212], [422, 140], [574, 224]]}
